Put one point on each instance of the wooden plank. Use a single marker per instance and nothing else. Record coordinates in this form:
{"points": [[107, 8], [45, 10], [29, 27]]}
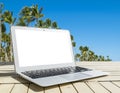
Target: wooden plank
{"points": [[4, 74], [9, 79], [67, 88], [101, 65], [94, 65], [117, 83], [6, 88], [111, 87], [20, 88], [98, 63], [6, 63], [81, 87], [105, 78], [35, 89], [86, 64], [104, 68], [7, 67], [114, 73], [97, 88], [52, 89], [7, 71], [11, 73]]}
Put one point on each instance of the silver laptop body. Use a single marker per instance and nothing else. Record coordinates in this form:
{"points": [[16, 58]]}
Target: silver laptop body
{"points": [[40, 49]]}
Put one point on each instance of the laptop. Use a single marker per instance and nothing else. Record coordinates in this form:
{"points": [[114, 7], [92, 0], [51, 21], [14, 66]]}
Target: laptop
{"points": [[45, 56]]}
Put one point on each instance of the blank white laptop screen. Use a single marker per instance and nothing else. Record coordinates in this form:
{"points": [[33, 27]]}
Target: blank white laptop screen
{"points": [[43, 47]]}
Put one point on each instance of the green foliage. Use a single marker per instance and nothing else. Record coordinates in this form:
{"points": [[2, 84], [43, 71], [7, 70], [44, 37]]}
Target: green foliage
{"points": [[87, 55], [21, 22], [7, 17], [46, 24], [73, 43], [27, 16], [32, 16], [3, 28]]}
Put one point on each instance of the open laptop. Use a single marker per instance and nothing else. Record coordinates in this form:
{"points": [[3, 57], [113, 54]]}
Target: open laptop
{"points": [[45, 56]]}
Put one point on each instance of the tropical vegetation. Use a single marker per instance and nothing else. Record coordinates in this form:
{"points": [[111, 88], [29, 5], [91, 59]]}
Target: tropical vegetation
{"points": [[33, 16], [88, 55], [28, 16]]}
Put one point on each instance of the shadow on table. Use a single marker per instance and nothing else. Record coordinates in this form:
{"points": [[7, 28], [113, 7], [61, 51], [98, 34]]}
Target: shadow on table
{"points": [[11, 73], [16, 79], [32, 87], [6, 63]]}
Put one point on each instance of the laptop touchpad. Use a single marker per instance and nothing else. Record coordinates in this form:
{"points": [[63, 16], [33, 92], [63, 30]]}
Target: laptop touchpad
{"points": [[75, 76]]}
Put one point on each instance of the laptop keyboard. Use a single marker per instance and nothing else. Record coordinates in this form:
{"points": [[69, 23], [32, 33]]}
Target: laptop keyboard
{"points": [[54, 71]]}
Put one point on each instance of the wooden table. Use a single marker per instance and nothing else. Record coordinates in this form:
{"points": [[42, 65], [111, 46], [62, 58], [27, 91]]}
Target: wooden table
{"points": [[12, 83]]}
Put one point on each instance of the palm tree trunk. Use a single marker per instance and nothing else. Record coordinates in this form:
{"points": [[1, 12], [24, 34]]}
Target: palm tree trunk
{"points": [[0, 39], [11, 53], [6, 56], [11, 48]]}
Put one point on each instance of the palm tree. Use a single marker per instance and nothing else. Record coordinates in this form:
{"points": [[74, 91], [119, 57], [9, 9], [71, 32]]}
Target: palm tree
{"points": [[91, 56], [84, 51], [54, 25], [40, 23], [87, 55], [3, 30], [1, 8], [26, 15], [36, 13], [48, 23], [8, 48], [77, 57], [72, 39], [108, 59], [30, 14], [33, 13], [21, 22], [4, 45], [8, 18]]}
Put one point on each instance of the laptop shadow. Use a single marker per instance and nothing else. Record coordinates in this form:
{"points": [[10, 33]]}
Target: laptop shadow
{"points": [[33, 87], [16, 79], [7, 74]]}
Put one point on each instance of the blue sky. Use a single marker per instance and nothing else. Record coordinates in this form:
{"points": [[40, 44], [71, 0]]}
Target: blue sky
{"points": [[93, 23]]}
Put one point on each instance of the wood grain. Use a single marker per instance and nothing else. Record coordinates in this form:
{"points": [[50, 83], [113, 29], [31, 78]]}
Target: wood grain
{"points": [[12, 83]]}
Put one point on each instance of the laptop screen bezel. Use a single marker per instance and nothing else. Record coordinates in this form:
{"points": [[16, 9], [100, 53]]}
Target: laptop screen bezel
{"points": [[16, 61]]}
